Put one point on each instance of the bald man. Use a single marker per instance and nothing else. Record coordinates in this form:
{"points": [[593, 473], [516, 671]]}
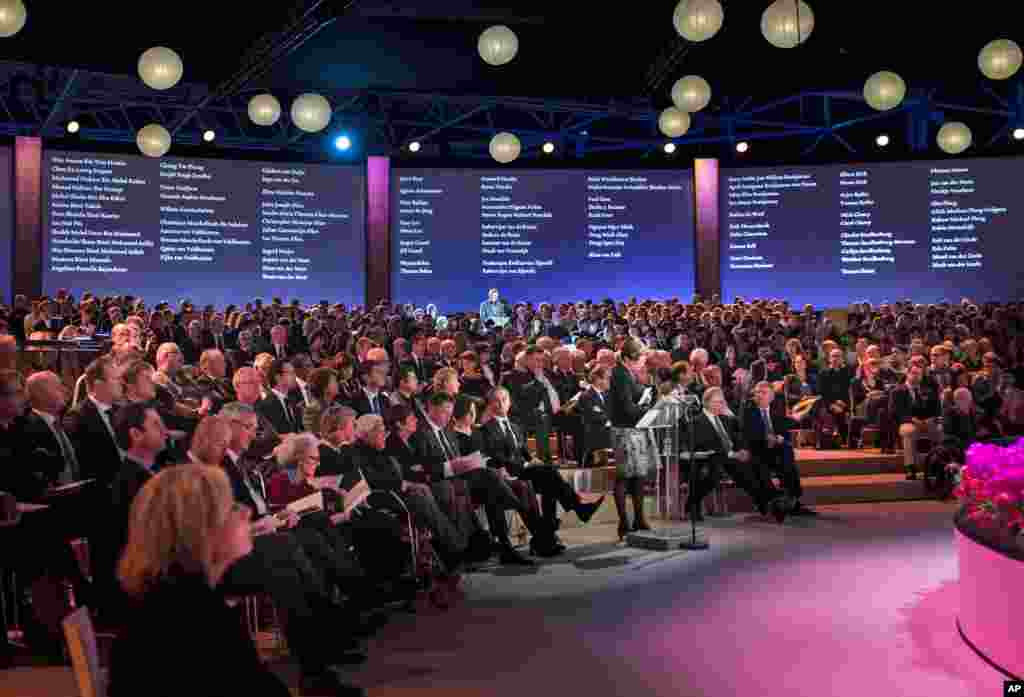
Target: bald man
{"points": [[54, 458], [248, 384]]}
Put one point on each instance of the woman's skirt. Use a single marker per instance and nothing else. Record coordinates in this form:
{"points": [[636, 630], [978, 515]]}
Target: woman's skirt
{"points": [[635, 453]]}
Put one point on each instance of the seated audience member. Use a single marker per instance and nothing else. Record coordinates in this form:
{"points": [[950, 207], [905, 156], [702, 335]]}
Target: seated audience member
{"points": [[505, 443], [212, 381], [382, 472], [277, 408], [184, 532], [446, 380], [1011, 413], [870, 395], [961, 425], [473, 381], [592, 409], [423, 366], [372, 398], [323, 390], [337, 433], [913, 408], [280, 348], [245, 353], [90, 423], [834, 387], [407, 392], [532, 405], [436, 451], [766, 436], [566, 386], [53, 458]]}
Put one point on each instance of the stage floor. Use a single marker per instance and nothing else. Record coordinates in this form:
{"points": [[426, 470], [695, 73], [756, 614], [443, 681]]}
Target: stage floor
{"points": [[861, 600]]}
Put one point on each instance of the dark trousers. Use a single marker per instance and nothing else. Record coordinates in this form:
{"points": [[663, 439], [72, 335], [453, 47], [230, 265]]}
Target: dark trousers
{"points": [[552, 488], [570, 425], [450, 542], [279, 567], [540, 429], [488, 487], [709, 473], [779, 460]]}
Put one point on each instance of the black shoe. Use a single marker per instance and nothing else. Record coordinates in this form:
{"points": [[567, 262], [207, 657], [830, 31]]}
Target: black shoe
{"points": [[779, 509], [329, 684], [696, 515], [586, 511], [511, 557], [802, 510], [545, 548]]}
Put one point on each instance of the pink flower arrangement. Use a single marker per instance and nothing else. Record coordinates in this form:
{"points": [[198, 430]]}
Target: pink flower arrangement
{"points": [[991, 488]]}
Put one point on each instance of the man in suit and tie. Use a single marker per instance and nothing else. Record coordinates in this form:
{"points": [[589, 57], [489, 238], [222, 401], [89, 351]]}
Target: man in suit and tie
{"points": [[372, 399], [766, 434], [279, 345], [89, 425], [437, 451], [212, 381], [592, 409], [505, 444], [423, 366], [914, 406], [54, 459], [407, 391], [217, 337], [717, 432], [531, 399], [277, 408]]}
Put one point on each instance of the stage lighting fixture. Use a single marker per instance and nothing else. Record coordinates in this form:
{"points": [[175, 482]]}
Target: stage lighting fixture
{"points": [[208, 136], [343, 142], [670, 148], [882, 140], [414, 146], [742, 146], [73, 126], [549, 147], [1018, 134]]}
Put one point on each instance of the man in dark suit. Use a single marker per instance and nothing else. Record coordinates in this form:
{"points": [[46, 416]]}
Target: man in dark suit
{"points": [[423, 366], [437, 451], [277, 408], [218, 337], [505, 444], [89, 425], [280, 346], [766, 435], [717, 432], [913, 407], [834, 388], [531, 400], [372, 399], [566, 385], [53, 457], [212, 381], [407, 389], [244, 354], [592, 409]]}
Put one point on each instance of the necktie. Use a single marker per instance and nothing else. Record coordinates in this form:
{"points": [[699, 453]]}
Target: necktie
{"points": [[913, 395], [445, 445], [510, 432], [373, 404], [726, 440], [70, 472], [600, 395], [767, 422]]}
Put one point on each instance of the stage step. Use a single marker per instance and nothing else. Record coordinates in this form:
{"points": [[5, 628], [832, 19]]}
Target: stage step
{"points": [[828, 463], [857, 488]]}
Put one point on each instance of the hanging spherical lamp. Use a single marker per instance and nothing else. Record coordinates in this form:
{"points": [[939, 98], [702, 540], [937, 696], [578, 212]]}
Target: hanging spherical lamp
{"points": [[153, 140], [160, 68], [691, 93], [954, 137], [498, 45], [787, 23], [12, 17], [698, 20], [884, 90], [505, 147], [1000, 59], [311, 112], [674, 122], [264, 110]]}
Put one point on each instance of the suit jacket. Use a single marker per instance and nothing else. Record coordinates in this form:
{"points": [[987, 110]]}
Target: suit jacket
{"points": [[405, 456], [190, 350], [414, 403], [531, 403], [281, 416], [45, 459], [244, 483], [430, 454], [706, 438], [361, 403], [755, 432], [337, 463], [902, 409], [566, 385], [959, 430], [220, 391], [379, 468], [596, 417], [95, 448], [623, 396], [502, 449], [17, 475], [240, 359], [210, 342], [425, 368]]}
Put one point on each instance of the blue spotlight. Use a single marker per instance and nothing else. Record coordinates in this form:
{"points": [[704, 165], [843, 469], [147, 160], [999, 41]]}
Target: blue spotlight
{"points": [[343, 143]]}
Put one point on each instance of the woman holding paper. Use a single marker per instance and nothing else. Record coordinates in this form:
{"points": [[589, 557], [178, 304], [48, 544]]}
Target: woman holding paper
{"points": [[632, 462]]}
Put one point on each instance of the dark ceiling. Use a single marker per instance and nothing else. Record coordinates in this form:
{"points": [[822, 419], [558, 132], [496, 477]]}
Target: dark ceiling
{"points": [[568, 49]]}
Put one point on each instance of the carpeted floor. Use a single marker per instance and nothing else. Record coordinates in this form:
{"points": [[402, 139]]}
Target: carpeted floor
{"points": [[860, 601]]}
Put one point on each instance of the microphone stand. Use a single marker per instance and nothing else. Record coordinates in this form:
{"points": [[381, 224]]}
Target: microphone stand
{"points": [[689, 414]]}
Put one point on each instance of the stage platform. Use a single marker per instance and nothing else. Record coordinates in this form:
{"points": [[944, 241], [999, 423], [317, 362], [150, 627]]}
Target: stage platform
{"points": [[828, 477]]}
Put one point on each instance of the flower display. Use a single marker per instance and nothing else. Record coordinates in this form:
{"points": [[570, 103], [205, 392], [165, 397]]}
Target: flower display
{"points": [[991, 488]]}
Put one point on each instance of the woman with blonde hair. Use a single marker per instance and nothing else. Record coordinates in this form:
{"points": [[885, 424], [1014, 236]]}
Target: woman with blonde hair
{"points": [[184, 531]]}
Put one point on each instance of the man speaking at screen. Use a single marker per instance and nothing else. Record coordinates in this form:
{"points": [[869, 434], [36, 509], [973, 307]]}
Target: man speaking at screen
{"points": [[494, 309]]}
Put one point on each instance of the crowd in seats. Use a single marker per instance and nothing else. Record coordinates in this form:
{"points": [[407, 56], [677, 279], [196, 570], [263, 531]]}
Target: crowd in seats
{"points": [[282, 398]]}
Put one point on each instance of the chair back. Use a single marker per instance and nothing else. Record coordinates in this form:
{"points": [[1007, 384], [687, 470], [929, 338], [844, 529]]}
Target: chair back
{"points": [[81, 639]]}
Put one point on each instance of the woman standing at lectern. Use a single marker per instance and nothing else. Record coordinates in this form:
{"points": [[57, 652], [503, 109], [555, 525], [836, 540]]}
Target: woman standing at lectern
{"points": [[631, 461]]}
